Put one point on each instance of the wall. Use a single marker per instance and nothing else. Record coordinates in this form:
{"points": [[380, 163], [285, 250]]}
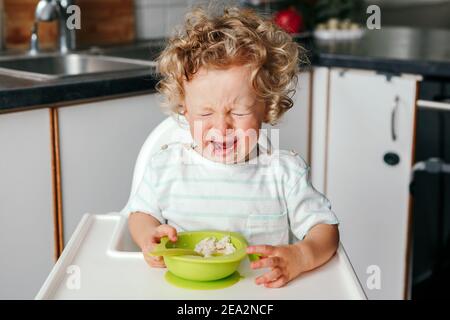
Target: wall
{"points": [[19, 17], [157, 18], [414, 13], [102, 22]]}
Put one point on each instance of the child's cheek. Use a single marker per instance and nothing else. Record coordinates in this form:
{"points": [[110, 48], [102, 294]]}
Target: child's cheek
{"points": [[248, 137], [249, 144], [199, 130]]}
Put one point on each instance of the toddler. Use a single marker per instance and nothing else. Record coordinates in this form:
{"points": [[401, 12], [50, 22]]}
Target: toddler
{"points": [[226, 75]]}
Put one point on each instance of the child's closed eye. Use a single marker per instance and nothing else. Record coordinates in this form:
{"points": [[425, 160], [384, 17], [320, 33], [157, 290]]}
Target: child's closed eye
{"points": [[240, 114]]}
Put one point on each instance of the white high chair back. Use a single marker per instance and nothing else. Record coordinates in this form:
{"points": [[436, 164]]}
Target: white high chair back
{"points": [[168, 131]]}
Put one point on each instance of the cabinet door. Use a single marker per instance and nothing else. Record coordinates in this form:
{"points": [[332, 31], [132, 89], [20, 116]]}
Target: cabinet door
{"points": [[319, 120], [371, 116], [99, 144], [26, 213], [293, 127]]}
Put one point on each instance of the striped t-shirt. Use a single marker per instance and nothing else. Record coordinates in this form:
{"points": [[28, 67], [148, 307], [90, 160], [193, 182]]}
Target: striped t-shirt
{"points": [[265, 199]]}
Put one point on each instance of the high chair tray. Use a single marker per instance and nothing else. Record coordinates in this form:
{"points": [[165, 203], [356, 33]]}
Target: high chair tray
{"points": [[101, 262]]}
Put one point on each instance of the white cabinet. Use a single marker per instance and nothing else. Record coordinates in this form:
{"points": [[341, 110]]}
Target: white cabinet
{"points": [[99, 144], [319, 124], [370, 122], [27, 245], [294, 128]]}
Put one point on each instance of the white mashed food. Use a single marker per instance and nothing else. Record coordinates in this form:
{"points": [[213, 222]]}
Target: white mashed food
{"points": [[209, 246]]}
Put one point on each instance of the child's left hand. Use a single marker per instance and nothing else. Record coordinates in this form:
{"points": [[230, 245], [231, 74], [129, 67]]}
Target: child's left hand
{"points": [[286, 263]]}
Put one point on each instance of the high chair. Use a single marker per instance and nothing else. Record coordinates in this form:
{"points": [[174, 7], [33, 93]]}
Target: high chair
{"points": [[107, 238]]}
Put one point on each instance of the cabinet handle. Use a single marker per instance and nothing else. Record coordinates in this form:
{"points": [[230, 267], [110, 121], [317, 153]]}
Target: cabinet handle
{"points": [[433, 105], [394, 119]]}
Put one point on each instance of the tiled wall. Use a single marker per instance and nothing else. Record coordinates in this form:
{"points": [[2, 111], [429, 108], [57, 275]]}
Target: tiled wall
{"points": [[157, 18]]}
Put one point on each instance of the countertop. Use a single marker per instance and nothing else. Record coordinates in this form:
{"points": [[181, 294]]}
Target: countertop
{"points": [[391, 50], [395, 50], [99, 263], [19, 94]]}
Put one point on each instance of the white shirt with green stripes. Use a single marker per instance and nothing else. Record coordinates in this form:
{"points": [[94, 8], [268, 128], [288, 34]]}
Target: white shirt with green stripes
{"points": [[269, 199]]}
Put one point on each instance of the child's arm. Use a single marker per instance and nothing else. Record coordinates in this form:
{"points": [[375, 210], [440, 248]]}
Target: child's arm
{"points": [[289, 261], [319, 245], [146, 232]]}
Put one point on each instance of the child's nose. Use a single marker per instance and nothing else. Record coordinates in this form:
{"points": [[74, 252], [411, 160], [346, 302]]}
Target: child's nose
{"points": [[223, 125]]}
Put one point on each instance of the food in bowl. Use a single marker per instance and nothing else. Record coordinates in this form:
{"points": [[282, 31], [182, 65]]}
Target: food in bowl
{"points": [[200, 268], [211, 246]]}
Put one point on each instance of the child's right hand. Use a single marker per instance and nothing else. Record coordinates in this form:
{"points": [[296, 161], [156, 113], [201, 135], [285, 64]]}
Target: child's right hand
{"points": [[154, 239]]}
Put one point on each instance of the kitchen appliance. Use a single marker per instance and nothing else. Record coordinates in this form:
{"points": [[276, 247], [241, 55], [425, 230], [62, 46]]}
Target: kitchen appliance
{"points": [[430, 189]]}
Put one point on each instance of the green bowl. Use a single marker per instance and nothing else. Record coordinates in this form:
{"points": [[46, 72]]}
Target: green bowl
{"points": [[199, 268]]}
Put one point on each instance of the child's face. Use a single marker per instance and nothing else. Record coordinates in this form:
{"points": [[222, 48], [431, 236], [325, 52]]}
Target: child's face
{"points": [[224, 113]]}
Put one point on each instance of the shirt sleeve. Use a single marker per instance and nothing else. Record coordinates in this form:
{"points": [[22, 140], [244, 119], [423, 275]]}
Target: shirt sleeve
{"points": [[145, 199], [307, 207]]}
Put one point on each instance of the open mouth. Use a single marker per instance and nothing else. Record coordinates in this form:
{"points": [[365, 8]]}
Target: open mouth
{"points": [[224, 148]]}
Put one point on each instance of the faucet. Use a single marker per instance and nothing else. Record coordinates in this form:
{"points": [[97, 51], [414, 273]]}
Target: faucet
{"points": [[50, 10]]}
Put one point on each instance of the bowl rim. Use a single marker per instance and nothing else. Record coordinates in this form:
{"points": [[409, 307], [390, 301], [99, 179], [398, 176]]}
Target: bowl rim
{"points": [[236, 256]]}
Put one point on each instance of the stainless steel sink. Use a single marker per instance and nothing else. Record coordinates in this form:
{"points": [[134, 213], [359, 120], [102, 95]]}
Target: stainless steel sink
{"points": [[65, 66], [142, 52]]}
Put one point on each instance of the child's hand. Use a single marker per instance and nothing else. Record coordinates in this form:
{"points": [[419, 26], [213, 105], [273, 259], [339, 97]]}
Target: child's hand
{"points": [[155, 238], [285, 262]]}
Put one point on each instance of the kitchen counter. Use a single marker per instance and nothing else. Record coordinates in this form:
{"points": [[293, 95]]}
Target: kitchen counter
{"points": [[101, 262], [391, 50], [18, 94]]}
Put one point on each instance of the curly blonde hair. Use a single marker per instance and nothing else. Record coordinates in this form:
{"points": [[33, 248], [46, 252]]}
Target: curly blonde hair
{"points": [[234, 38]]}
